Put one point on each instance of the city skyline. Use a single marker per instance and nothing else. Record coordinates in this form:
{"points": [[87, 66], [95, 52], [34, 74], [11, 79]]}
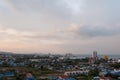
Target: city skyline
{"points": [[60, 26]]}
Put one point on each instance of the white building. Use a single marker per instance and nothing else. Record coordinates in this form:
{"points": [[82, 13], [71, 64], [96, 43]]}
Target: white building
{"points": [[118, 60], [78, 72]]}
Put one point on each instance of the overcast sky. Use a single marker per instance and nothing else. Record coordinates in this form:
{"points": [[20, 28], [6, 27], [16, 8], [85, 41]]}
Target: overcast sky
{"points": [[60, 26]]}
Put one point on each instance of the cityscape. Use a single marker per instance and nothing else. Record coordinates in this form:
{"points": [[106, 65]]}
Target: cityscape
{"points": [[58, 67], [59, 39]]}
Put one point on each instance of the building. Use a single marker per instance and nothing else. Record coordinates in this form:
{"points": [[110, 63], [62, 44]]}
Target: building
{"points": [[77, 72], [106, 57], [94, 58], [94, 54], [119, 60]]}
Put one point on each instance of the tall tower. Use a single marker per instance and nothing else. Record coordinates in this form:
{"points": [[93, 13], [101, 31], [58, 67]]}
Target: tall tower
{"points": [[94, 54]]}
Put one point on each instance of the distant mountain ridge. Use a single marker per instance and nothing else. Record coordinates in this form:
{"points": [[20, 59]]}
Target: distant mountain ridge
{"points": [[3, 52]]}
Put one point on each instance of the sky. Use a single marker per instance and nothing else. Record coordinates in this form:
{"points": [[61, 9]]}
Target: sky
{"points": [[60, 26]]}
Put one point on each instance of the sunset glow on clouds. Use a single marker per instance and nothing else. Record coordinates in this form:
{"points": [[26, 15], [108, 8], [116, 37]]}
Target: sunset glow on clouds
{"points": [[60, 26]]}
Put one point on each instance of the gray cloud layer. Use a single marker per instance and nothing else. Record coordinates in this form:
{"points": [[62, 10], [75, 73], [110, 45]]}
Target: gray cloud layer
{"points": [[88, 31]]}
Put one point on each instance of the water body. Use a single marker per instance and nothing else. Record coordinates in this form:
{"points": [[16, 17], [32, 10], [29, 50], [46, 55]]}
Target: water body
{"points": [[100, 56]]}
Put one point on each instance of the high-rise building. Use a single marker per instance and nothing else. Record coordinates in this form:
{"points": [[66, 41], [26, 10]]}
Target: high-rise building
{"points": [[94, 58], [94, 54]]}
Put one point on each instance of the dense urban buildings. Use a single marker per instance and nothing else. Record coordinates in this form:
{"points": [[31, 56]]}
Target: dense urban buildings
{"points": [[58, 67]]}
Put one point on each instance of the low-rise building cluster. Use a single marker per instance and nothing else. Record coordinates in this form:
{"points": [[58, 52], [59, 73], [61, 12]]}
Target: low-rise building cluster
{"points": [[58, 67]]}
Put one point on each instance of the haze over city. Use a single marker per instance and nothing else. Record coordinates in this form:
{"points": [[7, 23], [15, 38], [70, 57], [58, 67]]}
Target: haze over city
{"points": [[60, 26]]}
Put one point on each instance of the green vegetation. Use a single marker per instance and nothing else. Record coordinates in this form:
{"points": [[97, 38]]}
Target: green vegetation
{"points": [[115, 65]]}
